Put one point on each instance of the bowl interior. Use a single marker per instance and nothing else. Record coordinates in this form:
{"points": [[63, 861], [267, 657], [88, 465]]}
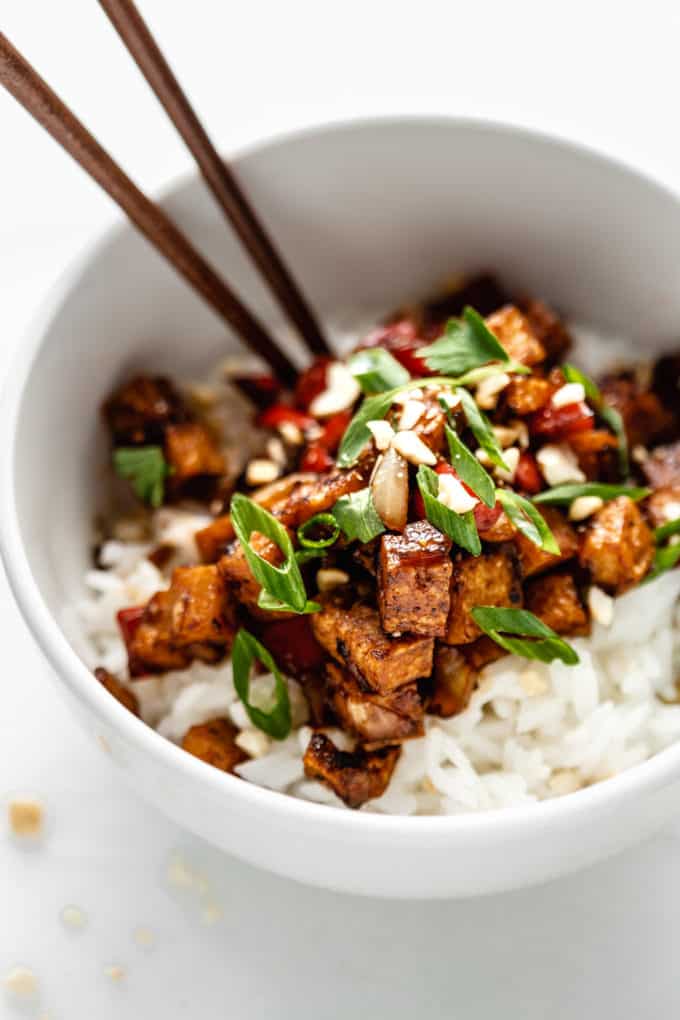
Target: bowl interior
{"points": [[368, 215]]}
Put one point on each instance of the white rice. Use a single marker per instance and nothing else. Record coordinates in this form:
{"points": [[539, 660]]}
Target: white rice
{"points": [[531, 731]]}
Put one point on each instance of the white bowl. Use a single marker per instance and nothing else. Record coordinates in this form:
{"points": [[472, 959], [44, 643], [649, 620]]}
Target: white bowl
{"points": [[368, 214]]}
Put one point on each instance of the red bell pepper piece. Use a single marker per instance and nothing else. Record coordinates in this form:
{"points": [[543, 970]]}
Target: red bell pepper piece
{"points": [[316, 458], [293, 646], [402, 339], [278, 413], [561, 422], [311, 382], [527, 476]]}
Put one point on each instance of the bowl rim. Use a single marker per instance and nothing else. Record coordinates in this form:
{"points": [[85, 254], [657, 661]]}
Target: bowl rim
{"points": [[656, 772]]}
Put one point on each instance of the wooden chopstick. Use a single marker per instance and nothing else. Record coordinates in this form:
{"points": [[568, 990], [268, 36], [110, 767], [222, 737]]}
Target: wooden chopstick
{"points": [[144, 50], [29, 89]]}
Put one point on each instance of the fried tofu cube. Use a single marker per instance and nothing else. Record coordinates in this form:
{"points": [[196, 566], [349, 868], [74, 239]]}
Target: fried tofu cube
{"points": [[534, 560], [514, 333], [355, 776], [618, 547], [644, 416], [354, 638], [141, 410], [554, 599], [212, 541], [372, 717], [526, 394], [414, 578], [454, 682], [431, 427], [195, 609], [191, 450], [547, 328], [126, 697], [215, 743], [488, 580], [662, 467]]}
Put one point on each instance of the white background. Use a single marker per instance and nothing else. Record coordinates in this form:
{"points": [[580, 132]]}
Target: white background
{"points": [[601, 943]]}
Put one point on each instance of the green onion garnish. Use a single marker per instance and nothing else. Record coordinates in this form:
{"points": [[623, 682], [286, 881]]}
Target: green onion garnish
{"points": [[469, 470], [318, 521], [522, 633], [459, 527], [246, 652], [376, 370], [565, 494], [481, 428], [357, 516], [528, 520]]}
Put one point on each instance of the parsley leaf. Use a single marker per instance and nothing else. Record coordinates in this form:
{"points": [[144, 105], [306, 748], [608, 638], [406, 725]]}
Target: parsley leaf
{"points": [[357, 516], [145, 468], [467, 343], [376, 370]]}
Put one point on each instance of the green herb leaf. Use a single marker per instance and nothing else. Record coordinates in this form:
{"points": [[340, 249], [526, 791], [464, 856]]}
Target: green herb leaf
{"points": [[469, 470], [528, 520], [460, 527], [609, 415], [282, 587], [358, 517], [665, 531], [146, 468], [467, 343], [533, 640], [481, 428], [377, 370], [324, 522], [246, 652], [565, 494]]}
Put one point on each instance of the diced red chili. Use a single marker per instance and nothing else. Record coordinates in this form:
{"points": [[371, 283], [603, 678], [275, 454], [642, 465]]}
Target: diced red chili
{"points": [[311, 382], [128, 621], [561, 422], [293, 645], [527, 476], [316, 458], [278, 413], [263, 390], [402, 339]]}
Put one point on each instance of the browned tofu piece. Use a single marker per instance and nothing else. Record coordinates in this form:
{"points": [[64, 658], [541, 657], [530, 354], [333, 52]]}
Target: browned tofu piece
{"points": [[534, 560], [354, 638], [372, 717], [618, 547], [662, 467], [502, 530], [140, 411], [355, 776], [547, 328], [414, 576], [527, 393], [514, 333], [644, 416], [233, 567], [212, 541], [314, 497], [482, 652], [123, 694], [215, 743], [488, 580], [431, 426], [554, 599], [195, 609], [597, 453], [454, 682], [663, 506], [191, 450]]}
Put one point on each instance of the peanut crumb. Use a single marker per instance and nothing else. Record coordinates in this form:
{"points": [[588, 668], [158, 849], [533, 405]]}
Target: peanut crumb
{"points": [[144, 937], [21, 983], [26, 817], [115, 972]]}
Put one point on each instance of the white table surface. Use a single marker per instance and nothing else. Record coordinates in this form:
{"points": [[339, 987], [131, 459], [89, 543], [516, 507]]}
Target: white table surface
{"points": [[602, 943]]}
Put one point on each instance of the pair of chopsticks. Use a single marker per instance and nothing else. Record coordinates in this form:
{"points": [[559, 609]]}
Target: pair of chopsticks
{"points": [[29, 89]]}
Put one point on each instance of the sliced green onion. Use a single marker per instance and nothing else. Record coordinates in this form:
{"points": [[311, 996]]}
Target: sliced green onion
{"points": [[282, 587], [246, 652], [376, 370], [665, 531], [469, 470], [467, 343], [667, 557], [565, 494], [459, 527], [522, 633], [357, 516], [481, 429], [528, 520], [318, 521]]}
